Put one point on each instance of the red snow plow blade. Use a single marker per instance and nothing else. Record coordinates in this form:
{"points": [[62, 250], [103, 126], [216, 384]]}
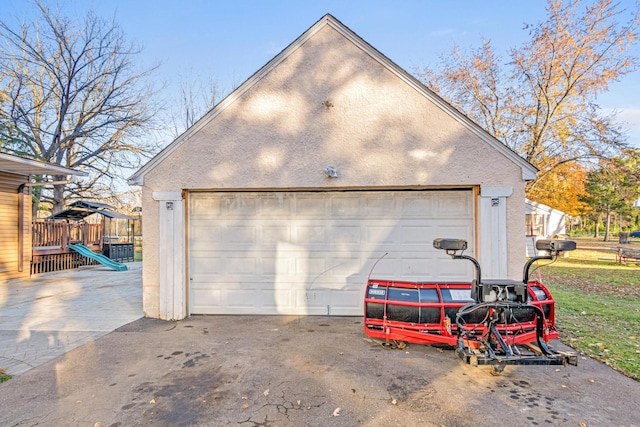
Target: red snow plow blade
{"points": [[490, 322], [425, 313]]}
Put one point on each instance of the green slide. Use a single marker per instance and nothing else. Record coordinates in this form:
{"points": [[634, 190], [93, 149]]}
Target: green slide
{"points": [[85, 251]]}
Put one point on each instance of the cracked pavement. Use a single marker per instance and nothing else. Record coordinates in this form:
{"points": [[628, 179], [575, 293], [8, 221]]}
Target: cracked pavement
{"points": [[291, 371]]}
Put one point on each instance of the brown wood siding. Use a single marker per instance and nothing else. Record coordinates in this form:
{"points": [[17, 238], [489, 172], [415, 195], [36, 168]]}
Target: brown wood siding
{"points": [[9, 233]]}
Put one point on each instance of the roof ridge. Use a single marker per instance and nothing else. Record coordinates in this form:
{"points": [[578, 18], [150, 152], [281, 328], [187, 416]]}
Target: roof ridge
{"points": [[528, 170]]}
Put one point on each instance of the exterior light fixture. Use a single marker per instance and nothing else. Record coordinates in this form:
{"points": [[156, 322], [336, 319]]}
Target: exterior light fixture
{"points": [[331, 172]]}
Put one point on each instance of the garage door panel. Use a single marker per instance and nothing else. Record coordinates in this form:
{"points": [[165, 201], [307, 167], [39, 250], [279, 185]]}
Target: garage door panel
{"points": [[238, 207], [209, 237], [381, 234], [309, 234], [417, 268], [242, 298], [345, 207], [205, 207], [272, 298], [458, 231], [383, 267], [273, 265], [449, 269], [276, 207], [310, 266], [206, 263], [241, 266], [311, 253], [377, 207], [206, 301], [312, 299], [345, 301], [310, 206], [238, 234], [454, 205], [417, 234], [270, 233], [342, 266], [346, 234], [414, 207]]}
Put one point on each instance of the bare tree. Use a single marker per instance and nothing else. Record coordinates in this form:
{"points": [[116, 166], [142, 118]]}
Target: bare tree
{"points": [[543, 104], [195, 98], [70, 94]]}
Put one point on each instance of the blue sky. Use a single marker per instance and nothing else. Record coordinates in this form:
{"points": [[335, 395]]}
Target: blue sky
{"points": [[230, 40]]}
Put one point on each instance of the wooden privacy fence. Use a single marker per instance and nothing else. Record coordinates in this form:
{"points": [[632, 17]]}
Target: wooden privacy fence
{"points": [[50, 241]]}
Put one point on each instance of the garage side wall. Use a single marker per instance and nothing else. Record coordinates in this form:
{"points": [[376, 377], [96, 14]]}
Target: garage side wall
{"points": [[330, 104], [151, 264]]}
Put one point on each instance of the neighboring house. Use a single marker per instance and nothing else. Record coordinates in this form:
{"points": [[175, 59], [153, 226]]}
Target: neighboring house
{"points": [[543, 222], [284, 197], [15, 211]]}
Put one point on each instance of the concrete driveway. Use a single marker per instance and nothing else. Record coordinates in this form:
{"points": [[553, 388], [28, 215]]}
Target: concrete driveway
{"points": [[82, 359], [50, 314], [298, 371]]}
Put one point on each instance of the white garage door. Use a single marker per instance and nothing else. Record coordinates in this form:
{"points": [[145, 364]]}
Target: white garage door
{"points": [[311, 252]]}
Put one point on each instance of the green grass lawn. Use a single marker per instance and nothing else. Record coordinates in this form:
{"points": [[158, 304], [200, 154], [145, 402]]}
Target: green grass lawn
{"points": [[598, 304]]}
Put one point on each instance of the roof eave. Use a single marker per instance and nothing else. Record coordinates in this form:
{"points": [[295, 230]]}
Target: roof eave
{"points": [[26, 166], [529, 172], [138, 177]]}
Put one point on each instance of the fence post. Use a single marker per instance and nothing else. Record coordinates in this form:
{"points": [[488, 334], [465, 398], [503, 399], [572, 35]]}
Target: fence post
{"points": [[66, 235]]}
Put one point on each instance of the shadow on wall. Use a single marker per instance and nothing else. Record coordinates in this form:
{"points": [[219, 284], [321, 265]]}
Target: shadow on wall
{"points": [[326, 104], [248, 255]]}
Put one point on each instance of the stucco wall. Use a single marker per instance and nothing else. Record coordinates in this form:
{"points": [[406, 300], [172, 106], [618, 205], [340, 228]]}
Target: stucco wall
{"points": [[150, 248], [515, 228], [330, 104]]}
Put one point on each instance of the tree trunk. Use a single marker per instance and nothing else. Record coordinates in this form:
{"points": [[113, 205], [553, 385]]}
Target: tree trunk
{"points": [[58, 196], [607, 225], [35, 201], [620, 222]]}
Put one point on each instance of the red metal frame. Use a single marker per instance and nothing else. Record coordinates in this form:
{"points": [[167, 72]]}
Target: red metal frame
{"points": [[445, 331]]}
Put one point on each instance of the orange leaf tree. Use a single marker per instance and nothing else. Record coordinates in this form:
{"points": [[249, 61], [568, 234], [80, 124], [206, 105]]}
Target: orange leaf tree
{"points": [[542, 104]]}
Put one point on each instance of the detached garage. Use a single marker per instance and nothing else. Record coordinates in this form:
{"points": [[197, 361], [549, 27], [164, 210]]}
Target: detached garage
{"points": [[328, 163]]}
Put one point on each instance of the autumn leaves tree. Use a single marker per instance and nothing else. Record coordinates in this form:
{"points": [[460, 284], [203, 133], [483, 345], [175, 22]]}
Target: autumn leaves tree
{"points": [[543, 104], [71, 94], [613, 187], [562, 189]]}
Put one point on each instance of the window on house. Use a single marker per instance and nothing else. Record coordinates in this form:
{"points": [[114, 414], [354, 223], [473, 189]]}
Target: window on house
{"points": [[535, 225]]}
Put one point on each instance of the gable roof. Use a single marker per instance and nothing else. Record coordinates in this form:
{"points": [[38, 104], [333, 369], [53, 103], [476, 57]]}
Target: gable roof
{"points": [[528, 170], [532, 207]]}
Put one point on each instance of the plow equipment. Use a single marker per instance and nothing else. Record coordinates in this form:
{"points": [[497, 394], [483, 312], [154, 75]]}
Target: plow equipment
{"points": [[488, 322]]}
